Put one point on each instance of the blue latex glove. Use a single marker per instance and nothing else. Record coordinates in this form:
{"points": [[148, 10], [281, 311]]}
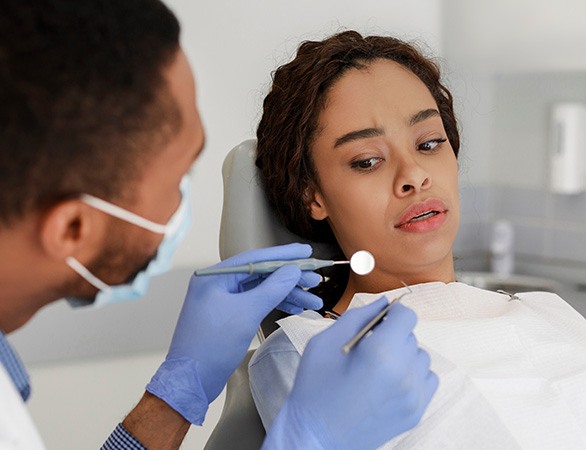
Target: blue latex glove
{"points": [[218, 322], [362, 399]]}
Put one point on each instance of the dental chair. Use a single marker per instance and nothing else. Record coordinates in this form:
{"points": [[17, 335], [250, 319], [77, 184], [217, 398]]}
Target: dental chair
{"points": [[247, 222]]}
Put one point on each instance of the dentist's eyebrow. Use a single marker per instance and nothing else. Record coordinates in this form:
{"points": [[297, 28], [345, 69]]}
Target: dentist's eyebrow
{"points": [[423, 115], [359, 134]]}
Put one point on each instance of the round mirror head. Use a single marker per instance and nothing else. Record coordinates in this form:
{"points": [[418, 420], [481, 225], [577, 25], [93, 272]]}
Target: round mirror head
{"points": [[362, 262]]}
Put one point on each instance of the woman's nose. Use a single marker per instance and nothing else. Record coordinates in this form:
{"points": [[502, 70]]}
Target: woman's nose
{"points": [[411, 178]]}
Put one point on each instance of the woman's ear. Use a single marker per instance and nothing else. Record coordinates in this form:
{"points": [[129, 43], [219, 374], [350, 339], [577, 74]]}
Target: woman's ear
{"points": [[69, 227], [316, 203]]}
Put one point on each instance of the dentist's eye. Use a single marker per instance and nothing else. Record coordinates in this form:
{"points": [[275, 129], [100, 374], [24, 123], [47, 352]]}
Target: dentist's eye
{"points": [[366, 165], [429, 146]]}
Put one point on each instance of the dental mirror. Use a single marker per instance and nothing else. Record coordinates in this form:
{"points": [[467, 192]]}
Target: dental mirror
{"points": [[362, 262]]}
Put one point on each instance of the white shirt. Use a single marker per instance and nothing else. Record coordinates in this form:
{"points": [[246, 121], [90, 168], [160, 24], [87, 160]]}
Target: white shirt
{"points": [[512, 372], [17, 431]]}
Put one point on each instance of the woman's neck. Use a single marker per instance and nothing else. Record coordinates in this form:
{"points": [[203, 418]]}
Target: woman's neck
{"points": [[378, 281]]}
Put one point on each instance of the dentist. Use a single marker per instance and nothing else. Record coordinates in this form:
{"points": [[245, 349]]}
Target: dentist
{"points": [[98, 129]]}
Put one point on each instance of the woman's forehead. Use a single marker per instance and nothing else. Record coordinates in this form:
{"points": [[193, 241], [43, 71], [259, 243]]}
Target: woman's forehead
{"points": [[381, 88]]}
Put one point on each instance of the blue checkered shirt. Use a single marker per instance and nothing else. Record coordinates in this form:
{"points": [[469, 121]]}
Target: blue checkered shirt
{"points": [[120, 439], [15, 368]]}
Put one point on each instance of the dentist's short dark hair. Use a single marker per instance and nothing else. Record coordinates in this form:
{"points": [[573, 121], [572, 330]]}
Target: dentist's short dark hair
{"points": [[84, 103]]}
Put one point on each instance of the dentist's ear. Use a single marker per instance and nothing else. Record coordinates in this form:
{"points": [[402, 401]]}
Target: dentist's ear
{"points": [[71, 228], [316, 203]]}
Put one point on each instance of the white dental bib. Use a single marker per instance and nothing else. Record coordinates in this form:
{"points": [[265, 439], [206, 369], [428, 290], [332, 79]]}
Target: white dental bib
{"points": [[512, 372]]}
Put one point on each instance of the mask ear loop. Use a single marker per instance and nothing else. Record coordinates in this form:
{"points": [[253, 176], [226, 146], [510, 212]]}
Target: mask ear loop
{"points": [[177, 218], [123, 214], [86, 274], [135, 219]]}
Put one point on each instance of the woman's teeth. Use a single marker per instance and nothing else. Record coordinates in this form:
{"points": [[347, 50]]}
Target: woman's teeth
{"points": [[424, 216]]}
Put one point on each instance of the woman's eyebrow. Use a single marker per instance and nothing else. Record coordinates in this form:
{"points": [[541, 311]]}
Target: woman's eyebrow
{"points": [[422, 115], [359, 134], [374, 132]]}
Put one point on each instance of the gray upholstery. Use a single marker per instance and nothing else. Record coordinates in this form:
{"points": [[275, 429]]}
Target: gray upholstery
{"points": [[247, 219], [247, 222], [239, 426]]}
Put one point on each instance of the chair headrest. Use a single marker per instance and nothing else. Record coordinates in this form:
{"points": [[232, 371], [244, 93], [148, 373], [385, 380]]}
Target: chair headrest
{"points": [[248, 221]]}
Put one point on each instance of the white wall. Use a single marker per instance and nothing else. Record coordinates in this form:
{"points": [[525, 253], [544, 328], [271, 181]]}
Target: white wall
{"points": [[234, 46], [520, 35], [483, 40], [77, 404]]}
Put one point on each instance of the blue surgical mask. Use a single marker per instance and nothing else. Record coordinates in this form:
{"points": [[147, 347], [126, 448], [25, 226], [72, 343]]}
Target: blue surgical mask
{"points": [[174, 231]]}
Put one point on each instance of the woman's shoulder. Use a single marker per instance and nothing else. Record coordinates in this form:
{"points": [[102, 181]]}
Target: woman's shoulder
{"points": [[276, 342], [280, 342]]}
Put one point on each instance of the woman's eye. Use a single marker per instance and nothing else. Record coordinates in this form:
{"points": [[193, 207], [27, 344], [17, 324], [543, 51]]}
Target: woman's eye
{"points": [[428, 146], [366, 164]]}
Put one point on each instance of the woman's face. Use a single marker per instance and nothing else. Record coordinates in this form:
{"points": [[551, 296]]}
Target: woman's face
{"points": [[387, 176]]}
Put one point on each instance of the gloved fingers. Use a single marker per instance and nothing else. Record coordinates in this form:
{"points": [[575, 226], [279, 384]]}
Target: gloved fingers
{"points": [[304, 299], [246, 282], [289, 251], [300, 300], [423, 375], [423, 362], [289, 308], [411, 351], [425, 383], [396, 338], [309, 279], [249, 282], [353, 320], [274, 289], [431, 385], [399, 321], [348, 325], [416, 368], [403, 341]]}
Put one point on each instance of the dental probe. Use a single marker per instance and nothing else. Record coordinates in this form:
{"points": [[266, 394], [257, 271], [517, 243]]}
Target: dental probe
{"points": [[271, 266], [361, 262], [373, 323]]}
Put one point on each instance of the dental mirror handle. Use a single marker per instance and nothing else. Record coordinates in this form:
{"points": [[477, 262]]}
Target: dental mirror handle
{"points": [[270, 266]]}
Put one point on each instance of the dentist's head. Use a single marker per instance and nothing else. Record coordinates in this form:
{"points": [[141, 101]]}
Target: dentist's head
{"points": [[99, 128]]}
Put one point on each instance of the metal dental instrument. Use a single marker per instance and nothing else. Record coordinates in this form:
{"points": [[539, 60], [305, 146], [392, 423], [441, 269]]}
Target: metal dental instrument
{"points": [[373, 323], [271, 266], [362, 262]]}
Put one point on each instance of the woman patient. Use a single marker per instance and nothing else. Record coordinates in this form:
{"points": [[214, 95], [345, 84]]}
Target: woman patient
{"points": [[358, 147]]}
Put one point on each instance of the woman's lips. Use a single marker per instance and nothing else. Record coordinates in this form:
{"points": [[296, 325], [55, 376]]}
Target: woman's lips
{"points": [[424, 216]]}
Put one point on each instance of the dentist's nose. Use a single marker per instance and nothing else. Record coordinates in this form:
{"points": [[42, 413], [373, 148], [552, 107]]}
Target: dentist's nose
{"points": [[411, 178]]}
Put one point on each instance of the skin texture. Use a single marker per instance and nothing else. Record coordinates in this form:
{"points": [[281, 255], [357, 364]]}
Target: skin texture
{"points": [[33, 272], [367, 181]]}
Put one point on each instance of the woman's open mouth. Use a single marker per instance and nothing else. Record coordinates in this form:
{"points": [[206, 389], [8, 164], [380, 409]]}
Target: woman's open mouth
{"points": [[424, 216]]}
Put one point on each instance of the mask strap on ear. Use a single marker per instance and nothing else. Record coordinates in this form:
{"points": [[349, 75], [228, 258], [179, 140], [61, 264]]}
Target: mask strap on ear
{"points": [[123, 214], [86, 274]]}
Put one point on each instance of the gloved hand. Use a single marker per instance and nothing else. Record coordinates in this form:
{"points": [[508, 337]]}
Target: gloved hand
{"points": [[362, 399], [218, 321]]}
